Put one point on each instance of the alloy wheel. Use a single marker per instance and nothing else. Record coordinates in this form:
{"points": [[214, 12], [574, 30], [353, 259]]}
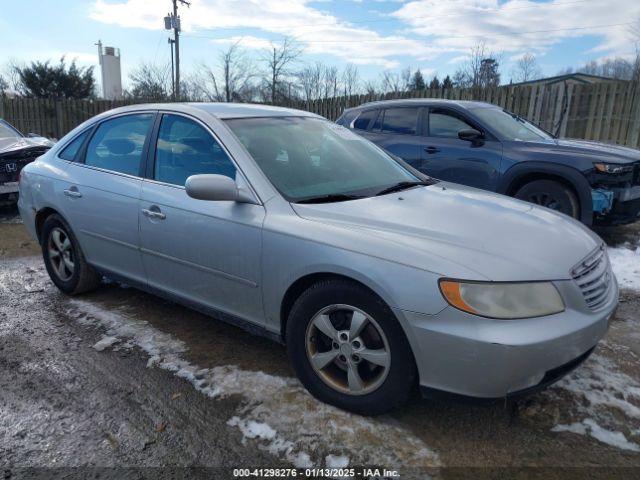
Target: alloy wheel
{"points": [[348, 349], [60, 253], [546, 200]]}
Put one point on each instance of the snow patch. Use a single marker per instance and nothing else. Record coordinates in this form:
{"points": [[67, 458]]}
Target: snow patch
{"points": [[626, 265], [276, 411], [336, 461], [608, 395], [106, 342], [590, 427], [252, 429]]}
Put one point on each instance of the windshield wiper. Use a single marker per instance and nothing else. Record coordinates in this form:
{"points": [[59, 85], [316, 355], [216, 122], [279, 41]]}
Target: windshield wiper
{"points": [[402, 186], [333, 197]]}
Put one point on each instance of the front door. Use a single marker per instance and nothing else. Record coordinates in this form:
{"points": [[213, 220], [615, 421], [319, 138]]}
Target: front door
{"points": [[202, 251], [102, 192], [446, 157]]}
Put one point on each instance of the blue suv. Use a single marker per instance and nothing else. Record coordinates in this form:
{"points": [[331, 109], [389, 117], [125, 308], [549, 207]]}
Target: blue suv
{"points": [[484, 146]]}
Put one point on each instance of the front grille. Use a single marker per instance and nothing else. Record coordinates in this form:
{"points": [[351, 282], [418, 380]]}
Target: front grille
{"points": [[594, 278], [636, 174]]}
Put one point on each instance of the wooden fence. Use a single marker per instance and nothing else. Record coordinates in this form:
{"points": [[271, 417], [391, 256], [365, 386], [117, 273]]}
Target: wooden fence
{"points": [[607, 112]]}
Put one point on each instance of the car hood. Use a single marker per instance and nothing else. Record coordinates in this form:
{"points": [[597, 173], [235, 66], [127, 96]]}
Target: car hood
{"points": [[461, 232], [14, 144], [596, 151]]}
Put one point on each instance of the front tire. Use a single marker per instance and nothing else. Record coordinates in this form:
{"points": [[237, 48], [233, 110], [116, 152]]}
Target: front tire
{"points": [[64, 259], [348, 348], [550, 194]]}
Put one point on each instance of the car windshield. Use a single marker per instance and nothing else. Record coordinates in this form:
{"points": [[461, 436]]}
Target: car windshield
{"points": [[510, 126], [7, 131], [310, 158]]}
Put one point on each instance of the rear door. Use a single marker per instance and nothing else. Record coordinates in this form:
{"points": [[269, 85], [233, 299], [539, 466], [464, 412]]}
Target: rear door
{"points": [[102, 192], [397, 130], [202, 251], [446, 157]]}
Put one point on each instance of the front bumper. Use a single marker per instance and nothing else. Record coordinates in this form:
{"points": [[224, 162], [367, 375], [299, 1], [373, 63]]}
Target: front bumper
{"points": [[9, 187], [471, 356], [625, 207]]}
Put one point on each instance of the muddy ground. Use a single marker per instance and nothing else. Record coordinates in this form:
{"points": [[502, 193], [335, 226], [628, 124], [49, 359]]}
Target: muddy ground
{"points": [[118, 378]]}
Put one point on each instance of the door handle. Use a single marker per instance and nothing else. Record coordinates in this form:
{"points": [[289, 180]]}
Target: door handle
{"points": [[157, 214], [431, 150], [72, 192]]}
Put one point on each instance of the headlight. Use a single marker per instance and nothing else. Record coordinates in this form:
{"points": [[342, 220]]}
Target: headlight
{"points": [[503, 300], [613, 168]]}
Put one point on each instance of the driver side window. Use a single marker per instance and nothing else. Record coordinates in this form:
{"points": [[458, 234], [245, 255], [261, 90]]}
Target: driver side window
{"points": [[445, 123], [186, 148]]}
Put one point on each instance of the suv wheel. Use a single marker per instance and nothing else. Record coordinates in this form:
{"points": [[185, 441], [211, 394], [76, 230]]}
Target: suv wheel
{"points": [[64, 260], [550, 194], [348, 349]]}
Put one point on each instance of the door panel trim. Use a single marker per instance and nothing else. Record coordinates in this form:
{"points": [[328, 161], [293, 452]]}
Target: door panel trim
{"points": [[213, 271], [109, 239]]}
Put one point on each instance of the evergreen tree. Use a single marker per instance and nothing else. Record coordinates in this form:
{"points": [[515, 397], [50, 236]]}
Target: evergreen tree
{"points": [[417, 82], [43, 80]]}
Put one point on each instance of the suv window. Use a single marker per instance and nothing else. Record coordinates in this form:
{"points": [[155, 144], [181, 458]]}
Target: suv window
{"points": [[445, 123], [400, 120], [186, 148], [118, 143], [363, 120], [71, 150]]}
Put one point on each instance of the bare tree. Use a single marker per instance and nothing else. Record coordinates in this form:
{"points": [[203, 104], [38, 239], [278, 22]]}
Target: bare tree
{"points": [[206, 80], [350, 79], [481, 70], [237, 72], [279, 59], [310, 79], [371, 87], [526, 69], [4, 85], [330, 87], [150, 82], [392, 82]]}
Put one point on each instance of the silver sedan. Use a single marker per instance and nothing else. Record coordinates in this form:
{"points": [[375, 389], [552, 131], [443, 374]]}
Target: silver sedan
{"points": [[376, 277]]}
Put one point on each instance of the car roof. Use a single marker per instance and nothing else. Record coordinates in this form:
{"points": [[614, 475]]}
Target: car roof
{"points": [[245, 110], [465, 104], [220, 110]]}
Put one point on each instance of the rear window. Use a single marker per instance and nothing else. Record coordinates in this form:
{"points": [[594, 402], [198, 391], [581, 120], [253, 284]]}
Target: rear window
{"points": [[400, 120], [362, 122], [118, 143]]}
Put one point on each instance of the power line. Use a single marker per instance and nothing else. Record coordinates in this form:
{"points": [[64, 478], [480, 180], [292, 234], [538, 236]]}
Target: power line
{"points": [[395, 19], [512, 34]]}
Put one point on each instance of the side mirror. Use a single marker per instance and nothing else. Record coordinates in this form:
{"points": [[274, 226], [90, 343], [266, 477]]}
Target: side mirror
{"points": [[216, 188], [470, 135]]}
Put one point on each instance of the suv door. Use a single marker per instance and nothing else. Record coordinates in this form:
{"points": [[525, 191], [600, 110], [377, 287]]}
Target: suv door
{"points": [[204, 252], [397, 130], [102, 191], [446, 157]]}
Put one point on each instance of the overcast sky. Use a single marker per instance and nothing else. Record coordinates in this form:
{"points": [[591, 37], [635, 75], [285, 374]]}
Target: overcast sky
{"points": [[433, 35]]}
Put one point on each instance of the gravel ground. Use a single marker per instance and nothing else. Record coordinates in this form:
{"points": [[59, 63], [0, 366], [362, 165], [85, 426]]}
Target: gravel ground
{"points": [[118, 378]]}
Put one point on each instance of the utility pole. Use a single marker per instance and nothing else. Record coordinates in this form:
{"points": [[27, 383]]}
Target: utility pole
{"points": [[171, 41], [172, 21]]}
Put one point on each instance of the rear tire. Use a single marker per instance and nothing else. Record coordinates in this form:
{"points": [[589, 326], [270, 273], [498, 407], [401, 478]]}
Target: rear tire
{"points": [[64, 259], [373, 345], [550, 194]]}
